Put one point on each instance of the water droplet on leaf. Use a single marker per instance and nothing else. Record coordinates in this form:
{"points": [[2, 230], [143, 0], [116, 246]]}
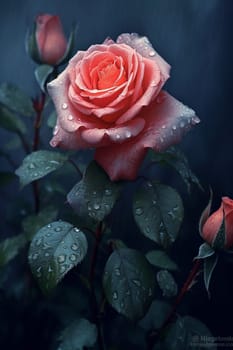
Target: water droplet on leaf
{"points": [[61, 259]]}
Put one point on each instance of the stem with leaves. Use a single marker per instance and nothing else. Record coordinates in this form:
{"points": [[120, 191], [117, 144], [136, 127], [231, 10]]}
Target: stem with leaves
{"points": [[38, 105], [155, 334], [94, 304]]}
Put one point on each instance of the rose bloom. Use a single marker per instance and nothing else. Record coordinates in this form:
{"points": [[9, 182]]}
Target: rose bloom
{"points": [[109, 98], [50, 39], [213, 223]]}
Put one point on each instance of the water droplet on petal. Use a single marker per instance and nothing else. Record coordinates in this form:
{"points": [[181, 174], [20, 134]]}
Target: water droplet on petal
{"points": [[163, 126], [61, 258], [174, 127], [128, 134], [151, 53], [139, 211], [70, 117], [195, 120], [118, 137], [64, 106], [55, 130]]}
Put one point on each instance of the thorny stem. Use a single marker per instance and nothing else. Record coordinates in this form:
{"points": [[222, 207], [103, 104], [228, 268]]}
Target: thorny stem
{"points": [[38, 105], [94, 303], [155, 334]]}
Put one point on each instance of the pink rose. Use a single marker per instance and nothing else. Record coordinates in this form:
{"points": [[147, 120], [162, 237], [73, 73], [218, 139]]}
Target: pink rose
{"points": [[109, 98], [212, 224], [50, 38]]}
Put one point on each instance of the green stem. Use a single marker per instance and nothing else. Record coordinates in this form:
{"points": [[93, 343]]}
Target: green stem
{"points": [[93, 300], [155, 334], [38, 107]]}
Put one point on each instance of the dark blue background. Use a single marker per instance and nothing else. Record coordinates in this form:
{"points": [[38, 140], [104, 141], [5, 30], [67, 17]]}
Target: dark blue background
{"points": [[195, 37]]}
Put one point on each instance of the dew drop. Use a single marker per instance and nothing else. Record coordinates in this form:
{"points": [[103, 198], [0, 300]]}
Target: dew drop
{"points": [[171, 214], [108, 192], [70, 117], [74, 247], [55, 130], [31, 166], [195, 120], [39, 241], [149, 184], [154, 83], [62, 269], [96, 206], [61, 259], [118, 137], [122, 305], [182, 125], [64, 106], [94, 193], [49, 225], [174, 127], [35, 256], [151, 53], [73, 257], [154, 202], [46, 254], [163, 126], [58, 229], [76, 229], [148, 229], [117, 272], [128, 134], [139, 211], [38, 271], [115, 296], [137, 282]]}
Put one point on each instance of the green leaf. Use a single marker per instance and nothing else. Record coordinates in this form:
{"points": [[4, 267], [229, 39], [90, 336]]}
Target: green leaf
{"points": [[205, 251], [158, 212], [52, 119], [16, 100], [31, 224], [31, 45], [95, 195], [129, 283], [209, 266], [10, 247], [176, 159], [42, 74], [79, 335], [38, 164], [6, 177], [156, 315], [160, 259], [188, 333], [166, 283], [55, 249], [11, 122]]}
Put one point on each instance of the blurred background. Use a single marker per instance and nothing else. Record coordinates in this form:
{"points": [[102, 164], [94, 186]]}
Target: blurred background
{"points": [[195, 38]]}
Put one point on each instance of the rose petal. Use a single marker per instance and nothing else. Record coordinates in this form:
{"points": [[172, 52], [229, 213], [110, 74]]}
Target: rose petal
{"points": [[67, 140], [144, 47], [212, 225], [167, 120], [101, 137]]}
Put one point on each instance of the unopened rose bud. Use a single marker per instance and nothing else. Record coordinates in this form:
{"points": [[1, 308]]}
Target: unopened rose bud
{"points": [[50, 39], [217, 229]]}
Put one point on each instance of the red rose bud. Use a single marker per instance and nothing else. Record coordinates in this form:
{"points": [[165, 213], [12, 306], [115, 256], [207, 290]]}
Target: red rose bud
{"points": [[50, 39], [217, 229]]}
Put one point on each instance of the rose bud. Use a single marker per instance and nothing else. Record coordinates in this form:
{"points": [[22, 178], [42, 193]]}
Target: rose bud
{"points": [[50, 38], [110, 98], [217, 229]]}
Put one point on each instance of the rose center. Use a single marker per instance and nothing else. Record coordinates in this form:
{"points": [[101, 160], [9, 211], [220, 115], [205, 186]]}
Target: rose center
{"points": [[110, 75]]}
